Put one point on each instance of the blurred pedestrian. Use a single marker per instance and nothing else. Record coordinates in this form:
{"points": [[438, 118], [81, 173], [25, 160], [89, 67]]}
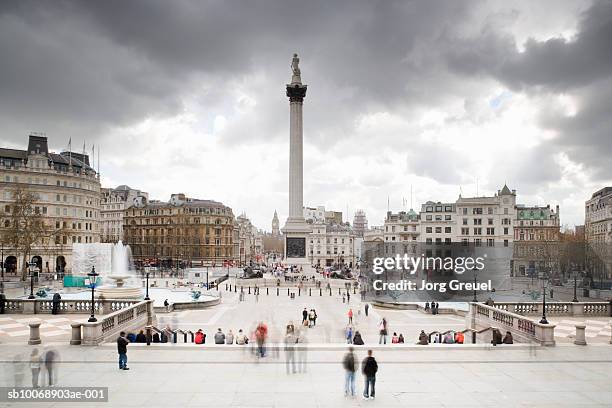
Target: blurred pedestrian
{"points": [[51, 358], [350, 316], [290, 352], [349, 379], [35, 362]]}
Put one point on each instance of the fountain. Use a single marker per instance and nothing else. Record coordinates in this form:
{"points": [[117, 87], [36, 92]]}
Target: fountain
{"points": [[112, 262]]}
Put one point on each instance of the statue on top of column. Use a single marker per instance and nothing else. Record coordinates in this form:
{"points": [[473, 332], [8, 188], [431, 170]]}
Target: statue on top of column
{"points": [[295, 78]]}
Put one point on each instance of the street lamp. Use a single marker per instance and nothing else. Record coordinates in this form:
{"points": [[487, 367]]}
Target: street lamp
{"points": [[147, 292], [575, 299], [93, 276], [31, 266], [543, 320]]}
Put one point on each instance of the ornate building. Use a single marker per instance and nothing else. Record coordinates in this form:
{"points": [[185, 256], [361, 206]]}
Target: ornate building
{"points": [[329, 245], [275, 225], [598, 235], [181, 231], [250, 242], [360, 223], [114, 202], [67, 193]]}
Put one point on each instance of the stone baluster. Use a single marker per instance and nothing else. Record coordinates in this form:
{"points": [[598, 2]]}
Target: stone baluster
{"points": [[34, 333], [580, 335]]}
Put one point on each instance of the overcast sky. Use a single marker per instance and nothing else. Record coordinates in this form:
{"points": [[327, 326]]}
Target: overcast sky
{"points": [[188, 96]]}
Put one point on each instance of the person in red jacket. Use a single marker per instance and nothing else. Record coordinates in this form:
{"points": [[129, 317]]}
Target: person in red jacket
{"points": [[350, 316], [200, 337]]}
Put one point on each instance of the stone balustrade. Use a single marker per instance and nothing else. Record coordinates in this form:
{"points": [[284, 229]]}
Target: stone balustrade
{"points": [[132, 318], [556, 308], [523, 329], [67, 306]]}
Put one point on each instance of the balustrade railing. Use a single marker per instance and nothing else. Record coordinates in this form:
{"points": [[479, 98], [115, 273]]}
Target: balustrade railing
{"points": [[556, 308], [65, 306]]}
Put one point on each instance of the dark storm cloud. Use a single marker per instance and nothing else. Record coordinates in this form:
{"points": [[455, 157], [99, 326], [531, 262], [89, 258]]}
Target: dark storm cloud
{"points": [[80, 67]]}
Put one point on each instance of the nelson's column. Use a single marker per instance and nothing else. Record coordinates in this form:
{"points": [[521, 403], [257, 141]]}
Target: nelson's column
{"points": [[296, 229]]}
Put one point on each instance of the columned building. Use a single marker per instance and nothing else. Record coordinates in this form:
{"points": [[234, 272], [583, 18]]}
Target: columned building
{"points": [[114, 202], [66, 192], [401, 234], [182, 231]]}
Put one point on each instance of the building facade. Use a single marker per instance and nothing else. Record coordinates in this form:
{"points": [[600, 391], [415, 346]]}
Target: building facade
{"points": [[250, 242], [113, 203], [360, 223], [598, 236], [401, 233], [536, 240], [329, 245], [67, 192], [275, 225], [486, 220], [181, 231], [438, 223]]}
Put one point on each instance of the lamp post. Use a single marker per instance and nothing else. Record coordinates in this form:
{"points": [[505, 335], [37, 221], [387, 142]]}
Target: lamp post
{"points": [[93, 276], [206, 277], [31, 266], [147, 291], [575, 299], [543, 320]]}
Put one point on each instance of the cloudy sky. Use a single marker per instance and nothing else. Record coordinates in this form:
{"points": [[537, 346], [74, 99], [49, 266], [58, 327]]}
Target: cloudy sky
{"points": [[188, 96]]}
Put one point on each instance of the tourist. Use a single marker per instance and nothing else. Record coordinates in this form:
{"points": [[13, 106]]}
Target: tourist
{"points": [[343, 298], [304, 317], [290, 328], [367, 307], [56, 303], [369, 369], [140, 337], [302, 350], [357, 340], [348, 297], [241, 339], [2, 298], [449, 338], [350, 316], [219, 337], [51, 357], [131, 337], [349, 366], [122, 344], [508, 338], [156, 337], [426, 307], [314, 321], [383, 331], [261, 333], [394, 338], [400, 338], [497, 337], [349, 334], [423, 339], [35, 361], [229, 339], [200, 337], [311, 318], [167, 305], [459, 338], [290, 341]]}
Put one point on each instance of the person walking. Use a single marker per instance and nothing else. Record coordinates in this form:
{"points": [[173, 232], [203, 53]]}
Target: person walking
{"points": [[349, 366], [383, 331], [167, 305], [367, 307], [348, 297], [50, 357], [304, 317], [290, 341], [349, 335], [35, 361], [122, 343], [314, 321], [350, 316], [369, 369]]}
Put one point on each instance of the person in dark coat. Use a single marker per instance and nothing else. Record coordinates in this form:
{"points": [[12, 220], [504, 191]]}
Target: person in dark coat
{"points": [[2, 303], [141, 338], [508, 338], [122, 344], [369, 369], [497, 338], [56, 303], [156, 337], [357, 340], [423, 338], [349, 367]]}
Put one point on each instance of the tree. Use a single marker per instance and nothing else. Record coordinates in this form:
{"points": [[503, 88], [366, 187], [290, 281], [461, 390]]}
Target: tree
{"points": [[23, 226]]}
